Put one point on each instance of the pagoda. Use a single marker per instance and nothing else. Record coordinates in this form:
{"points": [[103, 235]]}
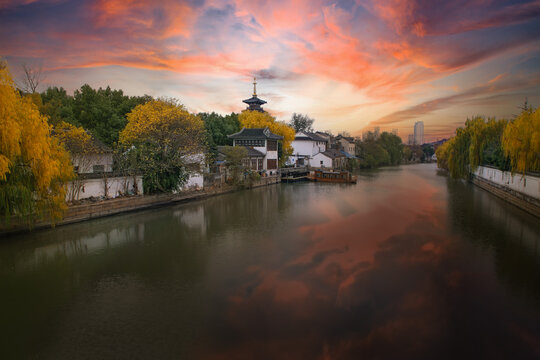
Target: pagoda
{"points": [[254, 103]]}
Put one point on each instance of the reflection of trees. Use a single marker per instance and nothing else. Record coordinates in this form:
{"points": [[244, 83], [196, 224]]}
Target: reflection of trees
{"points": [[45, 276], [488, 221]]}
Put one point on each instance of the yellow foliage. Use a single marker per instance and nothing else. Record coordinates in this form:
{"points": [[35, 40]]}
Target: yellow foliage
{"points": [[257, 119], [164, 122], [32, 162], [442, 155], [521, 141], [75, 139]]}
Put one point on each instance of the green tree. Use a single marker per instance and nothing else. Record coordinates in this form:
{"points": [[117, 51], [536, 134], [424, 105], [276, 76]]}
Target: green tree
{"points": [[58, 106], [165, 140], [301, 122], [371, 154], [233, 161], [102, 111], [392, 144], [218, 127]]}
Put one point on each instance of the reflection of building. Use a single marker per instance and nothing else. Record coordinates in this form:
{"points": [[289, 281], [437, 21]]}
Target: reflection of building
{"points": [[419, 133], [259, 142]]}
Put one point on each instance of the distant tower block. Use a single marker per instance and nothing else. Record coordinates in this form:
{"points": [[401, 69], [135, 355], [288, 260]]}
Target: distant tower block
{"points": [[395, 131], [419, 133], [254, 103]]}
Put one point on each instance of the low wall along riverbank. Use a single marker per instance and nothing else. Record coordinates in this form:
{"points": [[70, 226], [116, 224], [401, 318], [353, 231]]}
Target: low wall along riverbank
{"points": [[521, 190], [110, 207]]}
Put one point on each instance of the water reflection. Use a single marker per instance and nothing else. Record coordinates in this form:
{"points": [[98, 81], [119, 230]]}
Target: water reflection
{"points": [[405, 263]]}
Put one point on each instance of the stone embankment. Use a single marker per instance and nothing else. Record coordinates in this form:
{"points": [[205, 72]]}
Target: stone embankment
{"points": [[521, 190], [87, 211]]}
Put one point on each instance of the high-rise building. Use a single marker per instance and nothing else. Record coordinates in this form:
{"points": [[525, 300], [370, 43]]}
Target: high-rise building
{"points": [[419, 133], [411, 139], [394, 131], [377, 132]]}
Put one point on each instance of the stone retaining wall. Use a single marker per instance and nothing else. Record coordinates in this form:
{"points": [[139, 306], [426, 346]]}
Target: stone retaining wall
{"points": [[89, 211], [523, 201]]}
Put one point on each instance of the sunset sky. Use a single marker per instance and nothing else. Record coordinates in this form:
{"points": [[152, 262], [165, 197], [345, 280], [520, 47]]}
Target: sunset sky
{"points": [[351, 65]]}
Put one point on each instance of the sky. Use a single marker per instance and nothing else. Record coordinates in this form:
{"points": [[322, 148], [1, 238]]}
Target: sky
{"points": [[351, 65]]}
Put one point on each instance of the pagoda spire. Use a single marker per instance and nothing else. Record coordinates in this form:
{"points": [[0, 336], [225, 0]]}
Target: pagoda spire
{"points": [[254, 103], [255, 87]]}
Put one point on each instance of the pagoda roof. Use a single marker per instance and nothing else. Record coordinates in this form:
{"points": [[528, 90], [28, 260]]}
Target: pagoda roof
{"points": [[255, 134], [254, 100]]}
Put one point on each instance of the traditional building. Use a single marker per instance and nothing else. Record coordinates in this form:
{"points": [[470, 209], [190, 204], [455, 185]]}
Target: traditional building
{"points": [[254, 103], [305, 146], [345, 143], [263, 141], [330, 159]]}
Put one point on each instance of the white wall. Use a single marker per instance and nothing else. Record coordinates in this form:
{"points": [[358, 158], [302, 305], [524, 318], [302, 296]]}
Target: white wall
{"points": [[316, 161], [525, 184], [116, 186], [87, 162], [195, 181]]}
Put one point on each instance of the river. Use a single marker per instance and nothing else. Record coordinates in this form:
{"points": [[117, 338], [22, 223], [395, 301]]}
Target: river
{"points": [[405, 264]]}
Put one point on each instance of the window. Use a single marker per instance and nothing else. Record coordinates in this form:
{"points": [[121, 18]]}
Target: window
{"points": [[98, 168], [271, 164], [272, 145], [259, 164]]}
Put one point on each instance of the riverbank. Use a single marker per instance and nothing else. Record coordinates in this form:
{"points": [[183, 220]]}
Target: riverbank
{"points": [[522, 191], [87, 211]]}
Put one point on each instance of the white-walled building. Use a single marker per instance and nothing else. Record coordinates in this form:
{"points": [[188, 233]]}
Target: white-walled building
{"points": [[305, 146], [329, 159], [264, 142]]}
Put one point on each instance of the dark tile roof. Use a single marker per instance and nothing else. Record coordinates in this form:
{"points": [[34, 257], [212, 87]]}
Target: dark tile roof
{"points": [[348, 138], [255, 134], [310, 136], [333, 153]]}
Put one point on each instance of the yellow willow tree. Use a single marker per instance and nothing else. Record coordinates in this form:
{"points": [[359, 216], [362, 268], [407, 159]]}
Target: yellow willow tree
{"points": [[165, 141], [521, 141], [34, 166], [257, 119]]}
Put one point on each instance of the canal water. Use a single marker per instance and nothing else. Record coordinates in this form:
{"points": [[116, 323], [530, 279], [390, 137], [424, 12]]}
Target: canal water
{"points": [[406, 264]]}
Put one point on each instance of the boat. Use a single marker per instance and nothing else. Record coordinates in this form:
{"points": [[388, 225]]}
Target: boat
{"points": [[332, 176]]}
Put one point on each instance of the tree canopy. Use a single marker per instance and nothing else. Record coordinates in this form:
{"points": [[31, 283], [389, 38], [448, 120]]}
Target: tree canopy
{"points": [[166, 138], [102, 111], [301, 122], [513, 145], [521, 141], [34, 166], [375, 152], [257, 119], [218, 127]]}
